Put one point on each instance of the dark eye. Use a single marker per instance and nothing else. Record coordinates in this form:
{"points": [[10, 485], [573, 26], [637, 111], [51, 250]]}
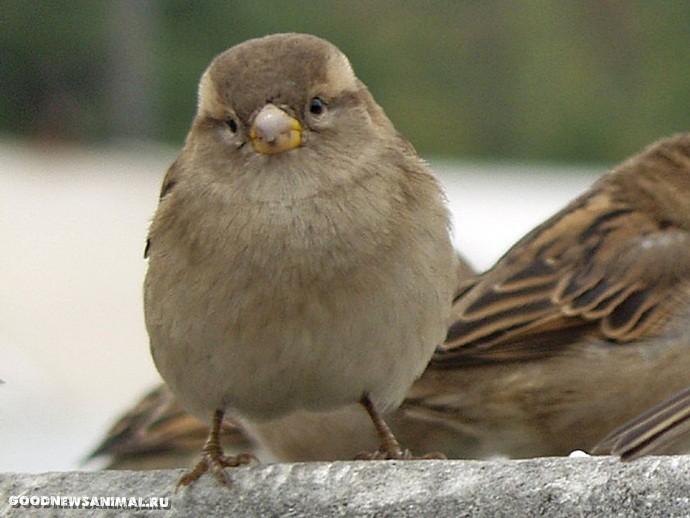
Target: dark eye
{"points": [[232, 124], [316, 106]]}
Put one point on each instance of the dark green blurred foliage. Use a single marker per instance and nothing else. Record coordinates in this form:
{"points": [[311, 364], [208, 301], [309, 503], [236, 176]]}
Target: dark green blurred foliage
{"points": [[578, 81], [52, 66]]}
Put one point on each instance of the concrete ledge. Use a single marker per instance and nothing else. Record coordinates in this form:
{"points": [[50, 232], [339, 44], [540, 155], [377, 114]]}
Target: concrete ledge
{"points": [[601, 486]]}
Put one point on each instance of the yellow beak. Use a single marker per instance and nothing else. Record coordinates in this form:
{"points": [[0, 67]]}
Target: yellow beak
{"points": [[274, 131]]}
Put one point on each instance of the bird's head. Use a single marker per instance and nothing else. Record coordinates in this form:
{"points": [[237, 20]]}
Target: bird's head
{"points": [[285, 95]]}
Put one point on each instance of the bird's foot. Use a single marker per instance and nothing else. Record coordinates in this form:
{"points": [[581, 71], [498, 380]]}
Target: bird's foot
{"points": [[398, 455], [213, 458], [215, 462], [390, 447]]}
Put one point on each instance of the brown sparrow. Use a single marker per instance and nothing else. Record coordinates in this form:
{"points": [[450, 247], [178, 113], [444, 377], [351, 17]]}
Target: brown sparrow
{"points": [[581, 325], [300, 256], [157, 433]]}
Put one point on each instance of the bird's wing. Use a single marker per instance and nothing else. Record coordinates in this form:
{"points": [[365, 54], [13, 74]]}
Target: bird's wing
{"points": [[158, 423], [168, 183], [652, 431], [600, 268]]}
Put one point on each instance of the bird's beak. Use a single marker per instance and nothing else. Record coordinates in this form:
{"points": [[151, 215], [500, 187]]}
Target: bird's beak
{"points": [[274, 131]]}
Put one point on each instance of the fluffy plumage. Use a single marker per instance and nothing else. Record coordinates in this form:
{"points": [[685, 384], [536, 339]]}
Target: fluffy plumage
{"points": [[310, 278]]}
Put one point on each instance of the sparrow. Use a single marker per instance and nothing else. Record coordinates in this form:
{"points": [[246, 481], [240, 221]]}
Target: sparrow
{"points": [[300, 256], [581, 325], [663, 429], [157, 433]]}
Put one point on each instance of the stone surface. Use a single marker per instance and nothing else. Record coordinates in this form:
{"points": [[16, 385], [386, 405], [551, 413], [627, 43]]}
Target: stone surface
{"points": [[599, 486]]}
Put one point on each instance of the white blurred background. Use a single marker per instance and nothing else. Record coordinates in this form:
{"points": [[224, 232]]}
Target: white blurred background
{"points": [[73, 347]]}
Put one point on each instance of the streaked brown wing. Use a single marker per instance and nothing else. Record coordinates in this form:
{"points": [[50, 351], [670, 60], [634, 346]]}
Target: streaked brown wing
{"points": [[600, 267], [652, 431], [158, 423]]}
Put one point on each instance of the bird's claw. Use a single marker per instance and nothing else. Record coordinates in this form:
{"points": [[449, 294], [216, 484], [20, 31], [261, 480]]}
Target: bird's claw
{"points": [[399, 455], [216, 463]]}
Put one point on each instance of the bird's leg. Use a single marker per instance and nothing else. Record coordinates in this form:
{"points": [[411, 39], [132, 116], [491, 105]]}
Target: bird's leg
{"points": [[212, 457], [390, 447], [389, 444]]}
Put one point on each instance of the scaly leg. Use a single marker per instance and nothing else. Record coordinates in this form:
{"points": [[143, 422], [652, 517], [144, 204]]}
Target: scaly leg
{"points": [[390, 447], [212, 457]]}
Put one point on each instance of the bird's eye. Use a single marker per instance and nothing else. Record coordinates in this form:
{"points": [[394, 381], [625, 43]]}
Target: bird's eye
{"points": [[316, 106], [232, 124]]}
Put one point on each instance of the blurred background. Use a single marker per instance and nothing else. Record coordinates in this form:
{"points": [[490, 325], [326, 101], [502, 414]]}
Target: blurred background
{"points": [[517, 106], [561, 81]]}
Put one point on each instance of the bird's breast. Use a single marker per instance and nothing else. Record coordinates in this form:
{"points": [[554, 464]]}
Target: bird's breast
{"points": [[287, 241]]}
